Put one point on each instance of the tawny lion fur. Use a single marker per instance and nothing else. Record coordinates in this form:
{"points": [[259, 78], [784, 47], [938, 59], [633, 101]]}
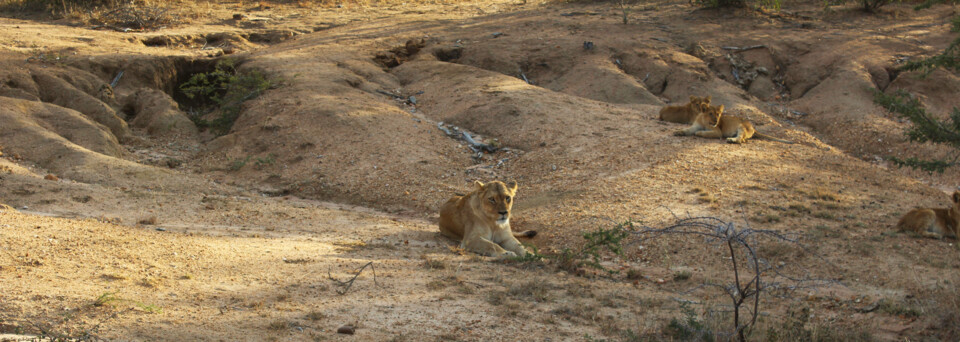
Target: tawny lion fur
{"points": [[481, 220], [933, 222], [711, 123], [686, 113]]}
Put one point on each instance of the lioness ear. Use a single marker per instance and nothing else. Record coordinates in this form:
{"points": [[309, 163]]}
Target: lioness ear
{"points": [[956, 197], [512, 185], [707, 99], [720, 109], [478, 184], [693, 98]]}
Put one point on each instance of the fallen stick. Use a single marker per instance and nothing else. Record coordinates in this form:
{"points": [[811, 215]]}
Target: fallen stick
{"points": [[116, 79], [740, 49], [384, 92], [347, 284], [524, 77]]}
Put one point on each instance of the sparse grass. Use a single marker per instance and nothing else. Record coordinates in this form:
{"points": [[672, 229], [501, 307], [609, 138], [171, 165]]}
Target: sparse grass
{"points": [[104, 299], [689, 327], [585, 311], [827, 205], [863, 248], [260, 163], [704, 195], [151, 282], [824, 194], [824, 215], [935, 261], [763, 217], [796, 326], [821, 230], [496, 298], [152, 220], [113, 276], [899, 309], [433, 264], [465, 289], [533, 289], [110, 297], [316, 316], [798, 209], [278, 325], [682, 275], [436, 285], [237, 164]]}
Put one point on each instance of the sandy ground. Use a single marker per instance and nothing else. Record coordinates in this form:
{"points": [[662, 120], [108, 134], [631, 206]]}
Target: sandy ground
{"points": [[125, 221]]}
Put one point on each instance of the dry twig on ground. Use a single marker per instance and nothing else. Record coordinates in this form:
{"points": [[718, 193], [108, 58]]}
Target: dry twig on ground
{"points": [[347, 284]]}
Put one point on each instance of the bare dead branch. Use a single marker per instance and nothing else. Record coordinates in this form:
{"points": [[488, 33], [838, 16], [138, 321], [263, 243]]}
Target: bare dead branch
{"points": [[750, 271], [347, 284]]}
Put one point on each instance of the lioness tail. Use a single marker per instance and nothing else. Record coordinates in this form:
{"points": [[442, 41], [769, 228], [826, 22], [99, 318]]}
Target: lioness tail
{"points": [[767, 137], [526, 234]]}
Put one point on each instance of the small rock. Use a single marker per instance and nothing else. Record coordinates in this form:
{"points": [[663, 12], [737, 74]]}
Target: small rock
{"points": [[346, 329], [413, 99], [51, 177], [497, 34], [588, 45], [161, 230], [239, 16]]}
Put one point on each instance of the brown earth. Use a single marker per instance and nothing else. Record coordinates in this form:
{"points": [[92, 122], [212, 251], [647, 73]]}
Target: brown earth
{"points": [[124, 220]]}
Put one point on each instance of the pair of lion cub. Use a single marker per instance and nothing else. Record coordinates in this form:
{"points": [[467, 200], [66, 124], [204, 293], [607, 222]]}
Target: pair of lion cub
{"points": [[709, 122]]}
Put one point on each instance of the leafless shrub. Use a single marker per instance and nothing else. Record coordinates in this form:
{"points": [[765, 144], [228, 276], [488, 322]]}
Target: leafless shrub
{"points": [[752, 275], [138, 17]]}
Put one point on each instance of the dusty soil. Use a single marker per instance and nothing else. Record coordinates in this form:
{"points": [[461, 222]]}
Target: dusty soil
{"points": [[125, 221]]}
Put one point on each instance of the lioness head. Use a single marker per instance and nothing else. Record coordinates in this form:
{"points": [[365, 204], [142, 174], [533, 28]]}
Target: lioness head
{"points": [[497, 199], [713, 115], [700, 104]]}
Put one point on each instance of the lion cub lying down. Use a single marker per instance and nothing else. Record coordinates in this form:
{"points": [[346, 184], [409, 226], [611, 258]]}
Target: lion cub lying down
{"points": [[481, 220], [933, 223], [711, 123], [686, 113]]}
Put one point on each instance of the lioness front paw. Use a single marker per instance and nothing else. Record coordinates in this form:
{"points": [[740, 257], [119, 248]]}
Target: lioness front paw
{"points": [[508, 254], [680, 133], [734, 141]]}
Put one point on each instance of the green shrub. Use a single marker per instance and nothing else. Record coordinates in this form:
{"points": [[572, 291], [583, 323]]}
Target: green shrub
{"points": [[925, 128], [873, 5], [689, 327], [224, 89]]}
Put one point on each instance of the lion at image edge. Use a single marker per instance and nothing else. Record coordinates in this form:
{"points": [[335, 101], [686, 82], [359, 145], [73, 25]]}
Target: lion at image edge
{"points": [[481, 220]]}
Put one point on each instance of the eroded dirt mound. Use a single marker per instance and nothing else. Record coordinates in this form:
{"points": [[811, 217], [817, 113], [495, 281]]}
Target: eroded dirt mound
{"points": [[377, 112]]}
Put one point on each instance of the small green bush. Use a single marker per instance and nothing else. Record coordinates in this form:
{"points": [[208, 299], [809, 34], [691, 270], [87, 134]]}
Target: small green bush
{"points": [[224, 89], [689, 327], [874, 5], [925, 128]]}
